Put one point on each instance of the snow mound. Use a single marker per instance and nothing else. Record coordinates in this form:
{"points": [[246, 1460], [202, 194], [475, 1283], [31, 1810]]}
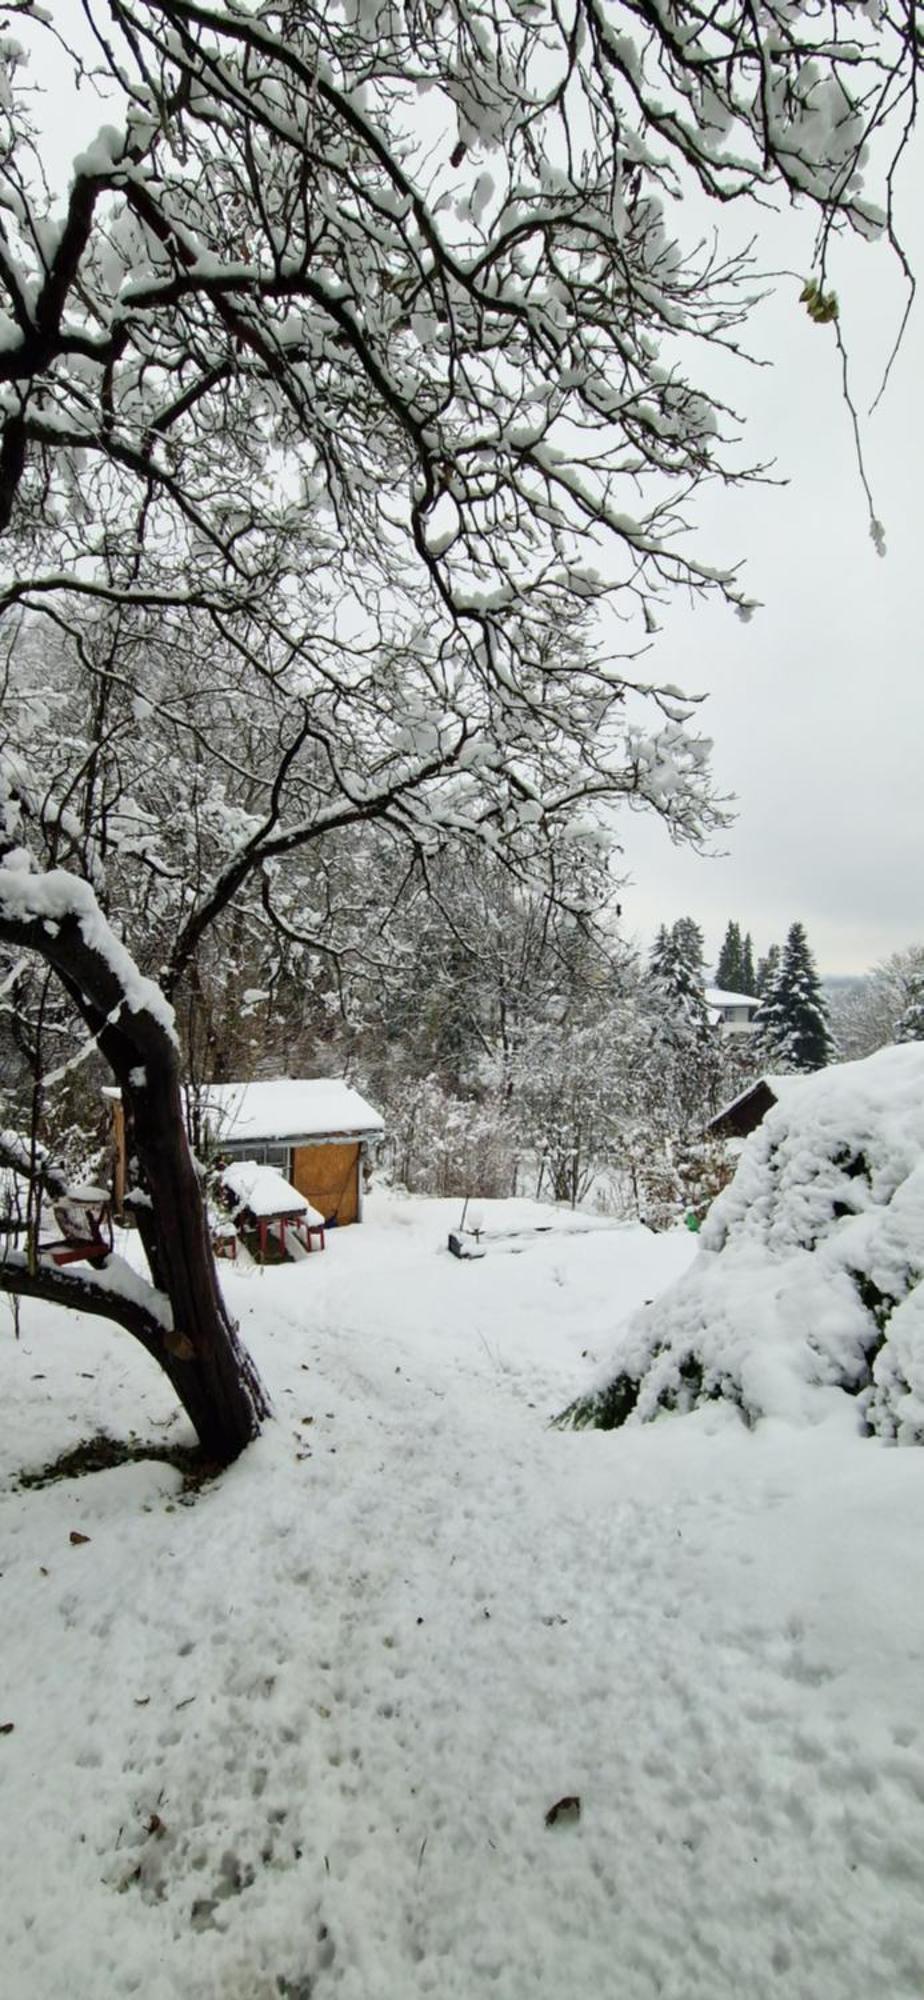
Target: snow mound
{"points": [[808, 1286]]}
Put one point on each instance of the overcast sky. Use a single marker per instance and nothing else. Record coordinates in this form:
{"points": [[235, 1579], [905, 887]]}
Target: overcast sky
{"points": [[817, 706]]}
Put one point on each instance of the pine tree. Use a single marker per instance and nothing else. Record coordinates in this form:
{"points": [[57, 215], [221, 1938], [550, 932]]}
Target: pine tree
{"points": [[748, 982], [793, 1017], [686, 1050], [767, 970], [728, 972], [689, 941], [735, 969], [770, 1019], [676, 972], [661, 953]]}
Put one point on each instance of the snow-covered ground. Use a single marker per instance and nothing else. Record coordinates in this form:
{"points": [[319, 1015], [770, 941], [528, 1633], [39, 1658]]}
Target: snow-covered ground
{"points": [[298, 1736]]}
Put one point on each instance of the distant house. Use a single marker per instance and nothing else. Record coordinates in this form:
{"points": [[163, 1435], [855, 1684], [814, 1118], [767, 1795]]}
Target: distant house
{"points": [[732, 1012], [314, 1130], [749, 1109]]}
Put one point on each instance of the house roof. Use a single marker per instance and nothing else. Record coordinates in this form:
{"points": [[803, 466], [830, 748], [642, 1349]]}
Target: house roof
{"points": [[716, 996], [288, 1109]]}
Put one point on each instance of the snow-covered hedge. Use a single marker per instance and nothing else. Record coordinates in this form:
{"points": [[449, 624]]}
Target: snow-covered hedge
{"points": [[808, 1284]]}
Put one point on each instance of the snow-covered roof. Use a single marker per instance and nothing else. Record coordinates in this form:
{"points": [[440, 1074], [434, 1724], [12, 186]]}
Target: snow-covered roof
{"points": [[716, 996], [289, 1109]]}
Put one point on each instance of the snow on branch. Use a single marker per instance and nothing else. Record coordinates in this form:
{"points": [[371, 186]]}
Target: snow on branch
{"points": [[34, 907], [359, 300], [116, 1292]]}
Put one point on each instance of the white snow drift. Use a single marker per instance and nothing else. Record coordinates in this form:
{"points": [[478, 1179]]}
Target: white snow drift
{"points": [[808, 1285]]}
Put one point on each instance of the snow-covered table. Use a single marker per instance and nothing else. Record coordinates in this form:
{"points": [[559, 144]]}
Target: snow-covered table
{"points": [[272, 1201]]}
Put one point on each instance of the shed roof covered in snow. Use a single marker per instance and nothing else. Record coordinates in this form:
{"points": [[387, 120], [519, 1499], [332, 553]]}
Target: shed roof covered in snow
{"points": [[290, 1109]]}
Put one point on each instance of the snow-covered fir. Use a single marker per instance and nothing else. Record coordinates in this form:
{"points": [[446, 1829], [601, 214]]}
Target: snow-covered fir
{"points": [[792, 1021]]}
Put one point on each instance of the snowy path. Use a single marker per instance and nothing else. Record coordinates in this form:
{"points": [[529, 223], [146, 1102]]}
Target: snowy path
{"points": [[350, 1680]]}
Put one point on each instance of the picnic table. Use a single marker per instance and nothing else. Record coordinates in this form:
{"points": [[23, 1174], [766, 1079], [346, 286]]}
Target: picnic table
{"points": [[265, 1194]]}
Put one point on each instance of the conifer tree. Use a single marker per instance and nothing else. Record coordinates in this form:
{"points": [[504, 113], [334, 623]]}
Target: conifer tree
{"points": [[767, 969], [735, 969], [685, 1046], [748, 982], [728, 972], [661, 953], [689, 941], [770, 1019], [676, 972], [793, 1017]]}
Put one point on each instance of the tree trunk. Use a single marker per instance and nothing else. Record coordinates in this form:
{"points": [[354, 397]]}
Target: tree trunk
{"points": [[183, 1322], [211, 1370]]}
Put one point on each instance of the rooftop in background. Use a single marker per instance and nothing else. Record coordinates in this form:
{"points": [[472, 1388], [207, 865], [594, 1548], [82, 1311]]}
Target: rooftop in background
{"points": [[716, 996], [732, 1013], [289, 1108]]}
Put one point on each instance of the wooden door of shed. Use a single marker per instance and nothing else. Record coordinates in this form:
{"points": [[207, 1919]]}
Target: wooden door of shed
{"points": [[328, 1176]]}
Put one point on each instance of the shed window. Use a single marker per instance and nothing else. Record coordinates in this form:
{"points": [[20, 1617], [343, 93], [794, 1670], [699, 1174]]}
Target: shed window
{"points": [[265, 1154]]}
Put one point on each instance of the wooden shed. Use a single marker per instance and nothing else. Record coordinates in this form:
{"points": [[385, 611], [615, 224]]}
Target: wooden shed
{"points": [[749, 1109], [315, 1130]]}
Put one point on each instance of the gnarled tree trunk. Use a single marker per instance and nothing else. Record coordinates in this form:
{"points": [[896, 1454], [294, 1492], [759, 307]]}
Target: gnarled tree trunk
{"points": [[181, 1318], [212, 1372]]}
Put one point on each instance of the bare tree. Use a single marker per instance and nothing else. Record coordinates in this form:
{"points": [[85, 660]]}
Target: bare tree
{"points": [[870, 1012]]}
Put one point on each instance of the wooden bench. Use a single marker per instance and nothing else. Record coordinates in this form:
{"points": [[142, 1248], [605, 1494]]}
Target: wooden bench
{"points": [[305, 1230]]}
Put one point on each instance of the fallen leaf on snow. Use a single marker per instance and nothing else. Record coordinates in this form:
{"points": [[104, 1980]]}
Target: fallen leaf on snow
{"points": [[564, 1812]]}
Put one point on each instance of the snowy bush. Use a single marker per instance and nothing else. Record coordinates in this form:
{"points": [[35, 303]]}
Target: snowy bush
{"points": [[809, 1284], [440, 1144]]}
